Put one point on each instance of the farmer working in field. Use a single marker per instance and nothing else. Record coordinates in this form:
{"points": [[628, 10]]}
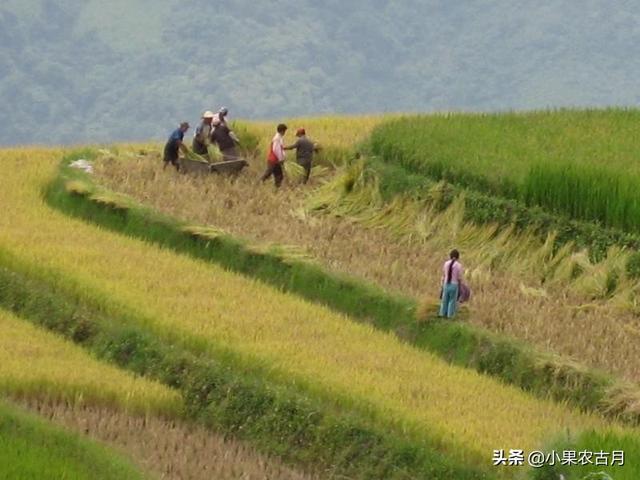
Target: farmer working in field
{"points": [[225, 139], [174, 145], [275, 157], [202, 137], [222, 115], [451, 281], [305, 149]]}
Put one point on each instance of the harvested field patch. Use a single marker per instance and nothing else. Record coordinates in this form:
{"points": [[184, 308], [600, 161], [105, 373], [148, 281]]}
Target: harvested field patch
{"points": [[170, 449]]}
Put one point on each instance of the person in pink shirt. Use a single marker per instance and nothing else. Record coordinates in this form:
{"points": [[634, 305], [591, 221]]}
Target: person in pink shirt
{"points": [[451, 279]]}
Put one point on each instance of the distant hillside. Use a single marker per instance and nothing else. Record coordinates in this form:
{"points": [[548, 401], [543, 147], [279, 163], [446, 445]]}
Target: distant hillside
{"points": [[76, 71]]}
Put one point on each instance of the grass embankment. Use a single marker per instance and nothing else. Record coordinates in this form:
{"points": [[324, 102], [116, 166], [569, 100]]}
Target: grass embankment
{"points": [[407, 260], [577, 163], [311, 350], [31, 449]]}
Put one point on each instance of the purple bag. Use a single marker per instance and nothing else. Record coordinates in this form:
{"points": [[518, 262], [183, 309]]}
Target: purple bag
{"points": [[464, 293]]}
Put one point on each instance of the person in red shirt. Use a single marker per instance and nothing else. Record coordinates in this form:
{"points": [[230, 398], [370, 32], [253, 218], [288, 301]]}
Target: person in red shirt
{"points": [[276, 156]]}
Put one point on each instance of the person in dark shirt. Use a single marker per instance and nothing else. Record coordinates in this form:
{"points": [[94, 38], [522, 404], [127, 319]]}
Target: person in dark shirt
{"points": [[305, 148], [174, 145], [225, 139]]}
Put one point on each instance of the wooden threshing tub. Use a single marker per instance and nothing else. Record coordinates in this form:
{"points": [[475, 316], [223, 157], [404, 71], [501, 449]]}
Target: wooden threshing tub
{"points": [[197, 167]]}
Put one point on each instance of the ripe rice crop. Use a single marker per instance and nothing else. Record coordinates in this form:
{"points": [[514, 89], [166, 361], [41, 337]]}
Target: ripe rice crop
{"points": [[209, 310], [579, 163], [37, 364], [338, 136]]}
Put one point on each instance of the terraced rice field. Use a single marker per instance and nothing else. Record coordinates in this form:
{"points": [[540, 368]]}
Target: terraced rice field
{"points": [[39, 366], [210, 310], [137, 418]]}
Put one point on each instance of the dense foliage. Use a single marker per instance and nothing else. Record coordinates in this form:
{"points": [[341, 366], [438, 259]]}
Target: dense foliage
{"points": [[99, 71]]}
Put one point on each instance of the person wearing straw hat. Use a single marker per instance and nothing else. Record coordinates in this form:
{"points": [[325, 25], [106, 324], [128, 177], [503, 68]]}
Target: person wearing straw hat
{"points": [[174, 145], [202, 135], [305, 148]]}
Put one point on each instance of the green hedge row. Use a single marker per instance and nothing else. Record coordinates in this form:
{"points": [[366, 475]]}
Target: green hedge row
{"points": [[461, 344]]}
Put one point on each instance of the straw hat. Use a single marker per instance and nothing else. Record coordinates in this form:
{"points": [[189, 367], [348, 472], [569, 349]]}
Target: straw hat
{"points": [[208, 114]]}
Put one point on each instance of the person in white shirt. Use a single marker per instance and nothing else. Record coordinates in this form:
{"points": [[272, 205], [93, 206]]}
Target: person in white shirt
{"points": [[276, 156]]}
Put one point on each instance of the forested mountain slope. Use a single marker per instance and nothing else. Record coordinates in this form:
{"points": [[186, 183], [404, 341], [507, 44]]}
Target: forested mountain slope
{"points": [[77, 71]]}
